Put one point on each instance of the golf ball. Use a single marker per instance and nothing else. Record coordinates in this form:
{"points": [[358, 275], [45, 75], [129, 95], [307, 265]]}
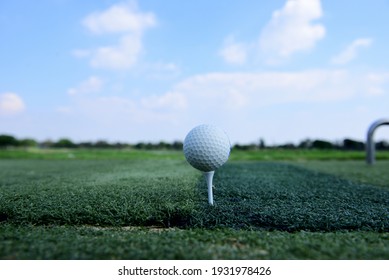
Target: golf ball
{"points": [[207, 147]]}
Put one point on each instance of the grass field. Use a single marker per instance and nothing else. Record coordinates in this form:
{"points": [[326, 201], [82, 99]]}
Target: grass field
{"points": [[112, 204]]}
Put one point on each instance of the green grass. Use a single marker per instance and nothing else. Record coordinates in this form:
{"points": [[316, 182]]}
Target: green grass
{"points": [[104, 192], [303, 155], [97, 154], [86, 242], [357, 171], [154, 206], [260, 195], [236, 155]]}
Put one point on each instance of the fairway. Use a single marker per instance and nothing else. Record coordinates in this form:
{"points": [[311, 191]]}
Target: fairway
{"points": [[156, 208]]}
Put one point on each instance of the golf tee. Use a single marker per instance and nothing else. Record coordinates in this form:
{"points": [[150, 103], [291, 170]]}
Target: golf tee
{"points": [[209, 178]]}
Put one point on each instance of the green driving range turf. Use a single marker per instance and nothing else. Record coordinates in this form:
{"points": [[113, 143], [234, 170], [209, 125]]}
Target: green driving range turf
{"points": [[154, 206]]}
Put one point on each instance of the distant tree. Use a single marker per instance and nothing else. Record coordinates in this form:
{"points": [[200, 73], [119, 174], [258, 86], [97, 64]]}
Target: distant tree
{"points": [[262, 144], [338, 145], [85, 145], [177, 145], [237, 147], [349, 144], [162, 145], [28, 143], [249, 147], [139, 146], [64, 143], [8, 141], [382, 145], [102, 144], [46, 144], [119, 145], [305, 144], [144, 146], [288, 146], [321, 144], [149, 146]]}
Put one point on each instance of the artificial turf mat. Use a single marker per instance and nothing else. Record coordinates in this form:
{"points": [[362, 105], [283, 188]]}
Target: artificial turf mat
{"points": [[285, 197], [88, 242], [168, 193]]}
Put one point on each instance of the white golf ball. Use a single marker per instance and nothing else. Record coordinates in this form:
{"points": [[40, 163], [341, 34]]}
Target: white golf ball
{"points": [[207, 147]]}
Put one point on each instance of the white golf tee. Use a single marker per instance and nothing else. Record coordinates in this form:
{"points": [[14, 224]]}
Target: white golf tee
{"points": [[209, 178]]}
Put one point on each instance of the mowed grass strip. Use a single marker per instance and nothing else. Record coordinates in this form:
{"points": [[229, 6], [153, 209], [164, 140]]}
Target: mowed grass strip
{"points": [[169, 193], [87, 242], [102, 192], [268, 154], [90, 154]]}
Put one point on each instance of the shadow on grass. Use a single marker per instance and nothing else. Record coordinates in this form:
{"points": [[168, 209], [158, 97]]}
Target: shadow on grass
{"points": [[276, 196]]}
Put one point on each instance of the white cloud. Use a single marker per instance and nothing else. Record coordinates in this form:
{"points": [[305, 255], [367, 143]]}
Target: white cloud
{"points": [[233, 52], [351, 51], [292, 29], [283, 105], [130, 23], [120, 18], [121, 56], [168, 101], [81, 53], [219, 91], [154, 113], [161, 70], [217, 98], [376, 83], [11, 104], [92, 84]]}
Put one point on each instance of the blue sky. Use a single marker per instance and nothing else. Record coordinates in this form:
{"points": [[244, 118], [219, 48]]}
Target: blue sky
{"points": [[151, 70]]}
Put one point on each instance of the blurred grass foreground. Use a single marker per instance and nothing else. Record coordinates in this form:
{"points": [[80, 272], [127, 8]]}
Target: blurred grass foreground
{"points": [[150, 204]]}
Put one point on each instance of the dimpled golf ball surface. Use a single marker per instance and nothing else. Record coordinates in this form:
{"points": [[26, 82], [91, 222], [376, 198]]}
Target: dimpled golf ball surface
{"points": [[207, 147]]}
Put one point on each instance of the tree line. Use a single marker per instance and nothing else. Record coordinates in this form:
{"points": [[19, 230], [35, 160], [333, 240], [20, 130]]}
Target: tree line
{"points": [[347, 144], [11, 141]]}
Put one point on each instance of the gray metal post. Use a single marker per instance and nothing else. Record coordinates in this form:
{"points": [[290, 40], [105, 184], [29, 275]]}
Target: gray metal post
{"points": [[370, 147]]}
